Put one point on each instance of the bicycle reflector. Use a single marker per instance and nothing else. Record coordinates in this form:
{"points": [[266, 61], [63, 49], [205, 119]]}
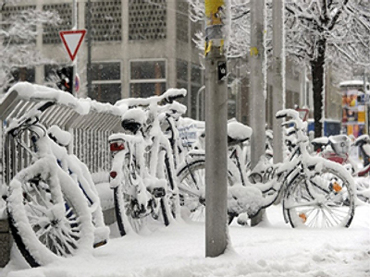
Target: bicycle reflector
{"points": [[336, 187], [303, 217], [117, 146]]}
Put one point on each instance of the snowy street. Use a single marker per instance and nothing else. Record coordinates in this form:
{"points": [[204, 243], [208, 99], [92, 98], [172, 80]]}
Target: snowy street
{"points": [[272, 249]]}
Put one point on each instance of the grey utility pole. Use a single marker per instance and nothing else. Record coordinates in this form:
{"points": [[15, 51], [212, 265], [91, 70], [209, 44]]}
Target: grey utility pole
{"points": [[74, 27], [278, 89], [257, 93], [89, 38], [257, 88], [216, 131]]}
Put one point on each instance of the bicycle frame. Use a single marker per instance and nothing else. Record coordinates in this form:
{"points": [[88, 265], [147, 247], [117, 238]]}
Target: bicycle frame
{"points": [[42, 146]]}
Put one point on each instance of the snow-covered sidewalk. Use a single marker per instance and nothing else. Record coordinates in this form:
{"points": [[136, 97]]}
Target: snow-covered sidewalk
{"points": [[273, 249]]}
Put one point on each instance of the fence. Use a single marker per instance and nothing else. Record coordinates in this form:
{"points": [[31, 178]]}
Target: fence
{"points": [[89, 122]]}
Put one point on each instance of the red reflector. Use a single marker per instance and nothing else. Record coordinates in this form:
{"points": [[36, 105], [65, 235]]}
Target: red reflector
{"points": [[113, 174], [117, 146]]}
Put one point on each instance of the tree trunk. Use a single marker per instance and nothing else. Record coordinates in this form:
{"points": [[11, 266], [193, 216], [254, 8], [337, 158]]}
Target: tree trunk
{"points": [[318, 75]]}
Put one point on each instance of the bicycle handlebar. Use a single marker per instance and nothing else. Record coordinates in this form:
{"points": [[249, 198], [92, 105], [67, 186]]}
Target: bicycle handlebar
{"points": [[288, 112], [168, 97], [31, 117]]}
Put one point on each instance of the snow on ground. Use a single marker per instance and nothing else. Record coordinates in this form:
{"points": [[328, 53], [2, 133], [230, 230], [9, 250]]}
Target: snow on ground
{"points": [[272, 249]]}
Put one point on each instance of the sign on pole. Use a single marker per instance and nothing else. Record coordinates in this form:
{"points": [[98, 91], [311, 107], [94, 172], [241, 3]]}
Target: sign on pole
{"points": [[72, 41]]}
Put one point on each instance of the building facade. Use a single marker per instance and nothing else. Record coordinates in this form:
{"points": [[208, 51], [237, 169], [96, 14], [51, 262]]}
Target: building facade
{"points": [[138, 48]]}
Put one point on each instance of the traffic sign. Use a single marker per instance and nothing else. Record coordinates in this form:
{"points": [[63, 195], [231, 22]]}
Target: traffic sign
{"points": [[72, 41]]}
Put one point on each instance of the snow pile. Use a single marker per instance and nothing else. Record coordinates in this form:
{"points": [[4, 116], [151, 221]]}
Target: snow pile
{"points": [[244, 199], [272, 249]]}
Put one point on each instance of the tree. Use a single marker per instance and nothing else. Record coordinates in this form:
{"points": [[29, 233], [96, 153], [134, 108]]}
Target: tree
{"points": [[319, 32], [18, 33]]}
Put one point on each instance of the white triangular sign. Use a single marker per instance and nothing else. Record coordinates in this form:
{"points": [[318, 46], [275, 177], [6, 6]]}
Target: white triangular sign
{"points": [[72, 41]]}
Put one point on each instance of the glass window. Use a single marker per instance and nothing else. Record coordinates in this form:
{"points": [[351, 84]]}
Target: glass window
{"points": [[106, 71], [182, 70], [147, 20], [147, 89], [147, 78], [106, 81], [106, 92], [196, 74], [23, 74], [148, 70]]}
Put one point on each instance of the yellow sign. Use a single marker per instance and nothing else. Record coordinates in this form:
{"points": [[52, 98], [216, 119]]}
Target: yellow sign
{"points": [[253, 51], [214, 12]]}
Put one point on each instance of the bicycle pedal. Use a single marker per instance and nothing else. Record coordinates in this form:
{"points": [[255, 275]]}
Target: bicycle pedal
{"points": [[159, 192], [100, 243]]}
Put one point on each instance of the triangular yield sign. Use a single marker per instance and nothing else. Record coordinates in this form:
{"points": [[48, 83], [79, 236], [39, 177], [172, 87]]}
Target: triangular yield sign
{"points": [[72, 41]]}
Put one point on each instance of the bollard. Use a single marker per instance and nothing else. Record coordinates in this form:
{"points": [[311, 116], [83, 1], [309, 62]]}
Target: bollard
{"points": [[5, 242]]}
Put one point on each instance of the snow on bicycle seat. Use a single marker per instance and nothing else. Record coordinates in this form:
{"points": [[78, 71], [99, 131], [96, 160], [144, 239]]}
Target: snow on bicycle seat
{"points": [[319, 142], [238, 132], [340, 143]]}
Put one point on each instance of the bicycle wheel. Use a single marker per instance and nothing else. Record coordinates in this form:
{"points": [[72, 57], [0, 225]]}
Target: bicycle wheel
{"points": [[122, 202], [326, 200], [130, 214], [192, 189], [47, 213]]}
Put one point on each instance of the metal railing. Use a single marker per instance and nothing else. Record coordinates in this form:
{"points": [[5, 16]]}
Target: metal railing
{"points": [[89, 122]]}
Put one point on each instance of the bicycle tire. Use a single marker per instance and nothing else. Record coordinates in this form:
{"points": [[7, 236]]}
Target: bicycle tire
{"points": [[47, 213], [191, 177], [326, 200], [127, 214]]}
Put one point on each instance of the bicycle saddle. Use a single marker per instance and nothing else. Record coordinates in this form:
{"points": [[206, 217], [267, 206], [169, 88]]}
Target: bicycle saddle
{"points": [[237, 132], [133, 120]]}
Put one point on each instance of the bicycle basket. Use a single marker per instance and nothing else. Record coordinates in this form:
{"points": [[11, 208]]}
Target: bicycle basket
{"points": [[340, 144]]}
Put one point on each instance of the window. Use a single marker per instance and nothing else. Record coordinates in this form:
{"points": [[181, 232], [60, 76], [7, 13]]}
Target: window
{"points": [[182, 70], [23, 74], [147, 78], [147, 20], [182, 14], [106, 82], [50, 34], [106, 20]]}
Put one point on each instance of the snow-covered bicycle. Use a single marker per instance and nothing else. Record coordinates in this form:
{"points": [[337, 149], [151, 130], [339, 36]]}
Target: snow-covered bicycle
{"points": [[315, 192], [81, 175], [48, 213], [142, 173]]}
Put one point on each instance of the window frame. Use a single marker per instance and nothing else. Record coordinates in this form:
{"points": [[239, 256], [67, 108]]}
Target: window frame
{"points": [[161, 80], [114, 81], [148, 81]]}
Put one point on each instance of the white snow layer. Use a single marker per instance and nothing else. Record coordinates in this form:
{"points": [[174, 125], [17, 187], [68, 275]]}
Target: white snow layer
{"points": [[272, 249]]}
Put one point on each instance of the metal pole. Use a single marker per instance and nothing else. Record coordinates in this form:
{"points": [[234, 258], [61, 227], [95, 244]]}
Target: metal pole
{"points": [[74, 27], [278, 81], [257, 92], [216, 130], [198, 102], [89, 69]]}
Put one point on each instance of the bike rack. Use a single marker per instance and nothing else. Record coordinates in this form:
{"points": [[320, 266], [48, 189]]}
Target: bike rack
{"points": [[90, 123]]}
